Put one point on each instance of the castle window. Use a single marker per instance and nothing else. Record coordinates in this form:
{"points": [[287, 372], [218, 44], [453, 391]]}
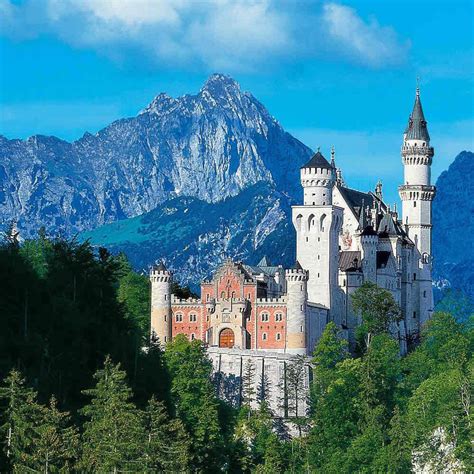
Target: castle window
{"points": [[301, 328], [233, 294], [301, 288], [414, 203], [166, 297], [192, 318], [264, 336], [424, 294], [179, 317], [278, 317], [301, 307], [166, 338], [265, 317], [414, 314], [278, 336], [166, 318], [414, 276], [207, 297], [193, 337]]}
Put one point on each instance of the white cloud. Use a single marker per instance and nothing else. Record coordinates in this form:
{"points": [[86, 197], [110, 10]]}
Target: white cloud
{"points": [[367, 42], [229, 34]]}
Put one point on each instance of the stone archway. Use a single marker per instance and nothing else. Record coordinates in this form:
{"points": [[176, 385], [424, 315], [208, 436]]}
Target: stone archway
{"points": [[226, 338]]}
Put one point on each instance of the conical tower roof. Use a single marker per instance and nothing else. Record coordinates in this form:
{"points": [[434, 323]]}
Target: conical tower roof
{"points": [[417, 128], [318, 161]]}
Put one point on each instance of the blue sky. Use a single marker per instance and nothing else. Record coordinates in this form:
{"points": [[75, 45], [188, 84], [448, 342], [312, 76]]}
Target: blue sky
{"points": [[341, 73]]}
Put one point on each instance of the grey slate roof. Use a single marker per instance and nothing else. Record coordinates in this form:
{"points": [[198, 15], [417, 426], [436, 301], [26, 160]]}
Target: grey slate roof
{"points": [[264, 262], [350, 260], [160, 267], [356, 199], [318, 161], [416, 128]]}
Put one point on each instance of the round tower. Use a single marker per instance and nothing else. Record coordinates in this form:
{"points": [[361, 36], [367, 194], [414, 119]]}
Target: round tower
{"points": [[318, 178], [417, 194], [296, 284], [368, 243], [161, 280]]}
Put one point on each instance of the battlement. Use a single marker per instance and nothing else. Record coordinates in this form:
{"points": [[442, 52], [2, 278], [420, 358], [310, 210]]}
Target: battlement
{"points": [[263, 301], [296, 274], [160, 277], [189, 301]]}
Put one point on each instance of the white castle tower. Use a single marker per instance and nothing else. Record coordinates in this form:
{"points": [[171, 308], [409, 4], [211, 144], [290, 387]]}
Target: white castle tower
{"points": [[161, 280], [296, 283], [417, 194], [318, 224]]}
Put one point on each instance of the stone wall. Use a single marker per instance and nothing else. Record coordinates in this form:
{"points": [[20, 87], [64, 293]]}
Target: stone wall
{"points": [[273, 379]]}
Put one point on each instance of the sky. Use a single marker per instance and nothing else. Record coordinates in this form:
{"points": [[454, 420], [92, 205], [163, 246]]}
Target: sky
{"points": [[332, 73]]}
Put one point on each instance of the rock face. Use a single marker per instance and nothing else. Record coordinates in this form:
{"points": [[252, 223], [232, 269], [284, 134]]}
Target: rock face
{"points": [[193, 237], [209, 146], [453, 226]]}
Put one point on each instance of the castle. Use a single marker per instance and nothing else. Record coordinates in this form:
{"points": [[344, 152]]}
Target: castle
{"points": [[344, 238]]}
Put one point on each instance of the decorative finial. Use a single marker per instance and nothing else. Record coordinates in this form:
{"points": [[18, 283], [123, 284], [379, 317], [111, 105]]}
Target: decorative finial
{"points": [[318, 148], [418, 86], [333, 157]]}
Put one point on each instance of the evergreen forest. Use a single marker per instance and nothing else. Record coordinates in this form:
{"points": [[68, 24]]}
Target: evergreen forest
{"points": [[83, 389]]}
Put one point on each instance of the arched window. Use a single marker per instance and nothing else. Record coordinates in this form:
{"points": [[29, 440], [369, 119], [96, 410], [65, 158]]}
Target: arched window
{"points": [[264, 336], [193, 337], [192, 318], [278, 336], [321, 222], [264, 317], [179, 317], [278, 317], [299, 219], [310, 222]]}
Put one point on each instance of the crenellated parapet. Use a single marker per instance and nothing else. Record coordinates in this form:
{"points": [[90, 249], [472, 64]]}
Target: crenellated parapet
{"points": [[413, 192], [271, 301]]}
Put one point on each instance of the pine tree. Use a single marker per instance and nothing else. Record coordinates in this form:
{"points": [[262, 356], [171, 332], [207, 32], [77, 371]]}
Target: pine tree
{"points": [[168, 444], [113, 436], [194, 398], [21, 415], [248, 383], [56, 442]]}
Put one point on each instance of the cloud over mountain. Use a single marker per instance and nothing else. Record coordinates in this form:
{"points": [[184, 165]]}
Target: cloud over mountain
{"points": [[232, 34]]}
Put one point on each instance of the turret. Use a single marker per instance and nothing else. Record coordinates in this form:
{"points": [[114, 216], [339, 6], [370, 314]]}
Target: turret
{"points": [[318, 178], [368, 243], [417, 195], [161, 280], [296, 281]]}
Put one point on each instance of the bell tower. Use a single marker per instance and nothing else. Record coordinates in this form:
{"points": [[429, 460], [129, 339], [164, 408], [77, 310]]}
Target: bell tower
{"points": [[417, 194]]}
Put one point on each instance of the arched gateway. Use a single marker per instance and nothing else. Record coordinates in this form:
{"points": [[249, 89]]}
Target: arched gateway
{"points": [[226, 338]]}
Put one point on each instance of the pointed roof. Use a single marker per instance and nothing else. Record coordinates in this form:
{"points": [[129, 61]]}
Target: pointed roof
{"points": [[160, 267], [318, 161], [297, 266], [417, 128], [264, 262]]}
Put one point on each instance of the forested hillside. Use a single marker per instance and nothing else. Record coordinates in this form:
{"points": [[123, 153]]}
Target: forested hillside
{"points": [[84, 390]]}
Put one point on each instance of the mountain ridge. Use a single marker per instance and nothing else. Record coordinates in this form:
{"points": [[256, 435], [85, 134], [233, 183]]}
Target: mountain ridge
{"points": [[210, 145]]}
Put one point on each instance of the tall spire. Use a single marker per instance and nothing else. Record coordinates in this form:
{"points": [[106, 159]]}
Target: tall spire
{"points": [[333, 157], [416, 128]]}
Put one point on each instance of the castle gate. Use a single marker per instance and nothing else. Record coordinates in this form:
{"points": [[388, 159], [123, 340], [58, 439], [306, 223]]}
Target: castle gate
{"points": [[226, 338]]}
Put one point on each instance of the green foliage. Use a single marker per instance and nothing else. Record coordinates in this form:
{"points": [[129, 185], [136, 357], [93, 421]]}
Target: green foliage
{"points": [[378, 310], [195, 402], [35, 437], [113, 433], [167, 445]]}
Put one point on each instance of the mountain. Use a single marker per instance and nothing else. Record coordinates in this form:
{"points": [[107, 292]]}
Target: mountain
{"points": [[209, 146], [195, 236], [453, 226]]}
